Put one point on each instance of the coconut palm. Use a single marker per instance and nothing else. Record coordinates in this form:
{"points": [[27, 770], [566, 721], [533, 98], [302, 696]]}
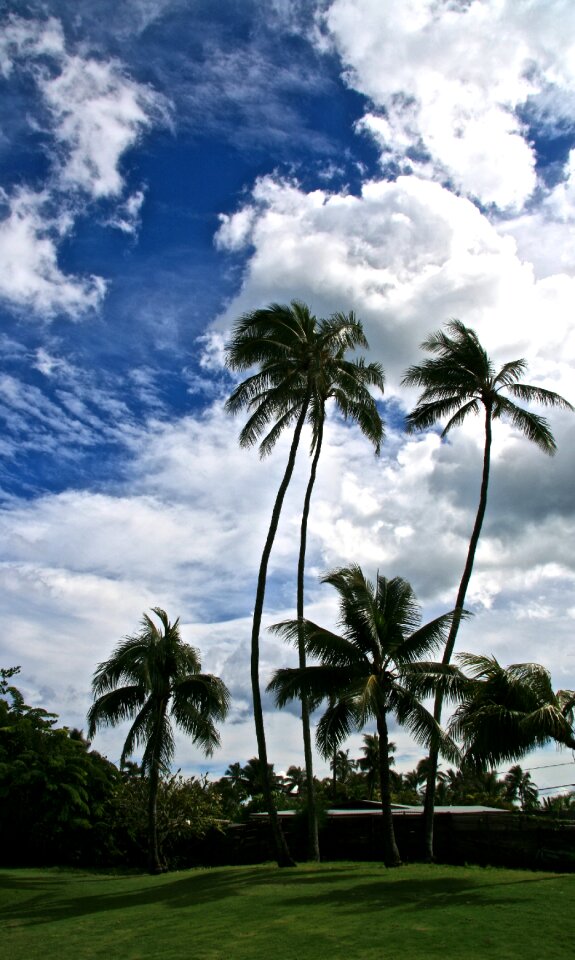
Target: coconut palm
{"points": [[163, 682], [519, 786], [371, 671], [369, 763], [508, 711], [346, 383], [301, 366], [459, 380]]}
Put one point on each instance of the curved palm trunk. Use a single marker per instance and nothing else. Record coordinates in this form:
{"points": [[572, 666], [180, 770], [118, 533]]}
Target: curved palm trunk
{"points": [[283, 856], [452, 636], [313, 835], [390, 851]]}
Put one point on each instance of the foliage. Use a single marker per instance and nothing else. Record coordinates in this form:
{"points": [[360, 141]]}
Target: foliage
{"points": [[188, 808], [54, 790], [508, 711]]}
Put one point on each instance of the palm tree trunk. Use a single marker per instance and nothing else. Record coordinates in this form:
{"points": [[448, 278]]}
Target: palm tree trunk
{"points": [[313, 833], [429, 805], [154, 862], [283, 856], [390, 851]]}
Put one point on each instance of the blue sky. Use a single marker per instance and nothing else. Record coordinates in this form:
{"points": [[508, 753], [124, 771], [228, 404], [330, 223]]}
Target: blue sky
{"points": [[166, 166]]}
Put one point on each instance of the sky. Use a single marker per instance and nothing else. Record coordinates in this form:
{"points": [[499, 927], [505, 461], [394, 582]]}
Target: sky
{"points": [[165, 167]]}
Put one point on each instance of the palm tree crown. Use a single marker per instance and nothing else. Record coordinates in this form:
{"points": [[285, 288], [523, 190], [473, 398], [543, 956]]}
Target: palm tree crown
{"points": [[461, 377], [153, 678], [508, 711], [301, 363], [371, 670]]}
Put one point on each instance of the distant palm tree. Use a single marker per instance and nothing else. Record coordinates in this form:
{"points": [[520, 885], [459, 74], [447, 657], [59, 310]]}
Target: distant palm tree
{"points": [[508, 711], [162, 681], [302, 365], [519, 786], [342, 766], [369, 763], [460, 380], [371, 671]]}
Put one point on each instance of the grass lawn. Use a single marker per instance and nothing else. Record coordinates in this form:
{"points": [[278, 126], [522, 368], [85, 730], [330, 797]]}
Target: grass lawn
{"points": [[333, 911]]}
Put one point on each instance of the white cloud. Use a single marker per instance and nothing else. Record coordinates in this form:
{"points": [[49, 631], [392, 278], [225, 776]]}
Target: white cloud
{"points": [[30, 277], [447, 81], [97, 113], [407, 255]]}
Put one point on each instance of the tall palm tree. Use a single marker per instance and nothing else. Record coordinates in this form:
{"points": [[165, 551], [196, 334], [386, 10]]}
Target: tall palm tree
{"points": [[301, 365], [163, 682], [371, 671], [346, 383], [460, 379], [506, 712]]}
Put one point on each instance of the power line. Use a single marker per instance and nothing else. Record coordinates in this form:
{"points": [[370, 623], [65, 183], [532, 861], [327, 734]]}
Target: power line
{"points": [[547, 766], [558, 787]]}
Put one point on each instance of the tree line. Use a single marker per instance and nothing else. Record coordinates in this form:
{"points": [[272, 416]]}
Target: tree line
{"points": [[62, 802]]}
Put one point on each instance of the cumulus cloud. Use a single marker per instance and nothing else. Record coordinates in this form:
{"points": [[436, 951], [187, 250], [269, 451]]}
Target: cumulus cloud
{"points": [[406, 255], [448, 83]]}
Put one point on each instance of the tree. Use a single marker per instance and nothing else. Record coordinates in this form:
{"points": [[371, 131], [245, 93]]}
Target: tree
{"points": [[54, 790], [519, 786], [371, 671], [346, 383], [508, 711], [369, 763], [459, 380], [301, 365], [342, 766], [163, 683]]}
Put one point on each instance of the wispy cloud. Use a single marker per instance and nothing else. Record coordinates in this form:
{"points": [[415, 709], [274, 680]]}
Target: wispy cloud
{"points": [[91, 113]]}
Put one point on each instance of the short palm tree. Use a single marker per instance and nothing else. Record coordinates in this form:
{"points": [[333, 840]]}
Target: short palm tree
{"points": [[371, 671], [460, 379], [506, 712], [301, 366], [520, 786], [153, 678]]}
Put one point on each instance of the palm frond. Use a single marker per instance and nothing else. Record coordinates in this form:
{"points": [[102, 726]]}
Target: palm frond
{"points": [[115, 707]]}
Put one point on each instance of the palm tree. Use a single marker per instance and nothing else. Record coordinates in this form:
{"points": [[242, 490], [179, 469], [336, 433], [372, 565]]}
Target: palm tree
{"points": [[520, 786], [346, 383], [371, 671], [342, 767], [508, 711], [369, 763], [162, 681], [460, 379], [302, 365]]}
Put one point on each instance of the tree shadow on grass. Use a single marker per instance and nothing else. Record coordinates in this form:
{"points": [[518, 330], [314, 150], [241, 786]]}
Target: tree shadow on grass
{"points": [[53, 898]]}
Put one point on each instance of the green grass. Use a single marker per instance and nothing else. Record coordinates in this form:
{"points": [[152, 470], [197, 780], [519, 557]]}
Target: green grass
{"points": [[334, 911]]}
